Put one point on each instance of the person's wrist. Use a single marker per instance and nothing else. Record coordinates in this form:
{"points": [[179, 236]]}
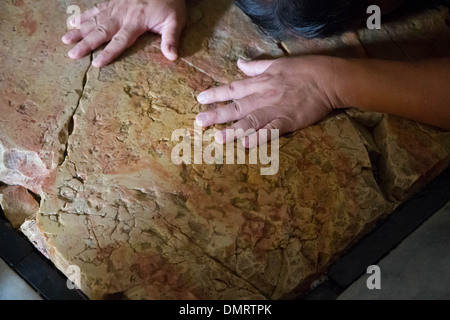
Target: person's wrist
{"points": [[327, 72], [334, 79]]}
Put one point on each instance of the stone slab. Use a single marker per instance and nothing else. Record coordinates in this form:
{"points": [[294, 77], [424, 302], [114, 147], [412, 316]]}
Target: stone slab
{"points": [[96, 146]]}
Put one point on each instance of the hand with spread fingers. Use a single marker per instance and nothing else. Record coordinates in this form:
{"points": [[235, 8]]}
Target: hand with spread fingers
{"points": [[292, 93], [286, 94], [121, 22]]}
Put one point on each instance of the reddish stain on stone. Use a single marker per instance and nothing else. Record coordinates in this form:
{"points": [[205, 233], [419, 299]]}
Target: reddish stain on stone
{"points": [[30, 25], [48, 182], [27, 163], [28, 22], [156, 271]]}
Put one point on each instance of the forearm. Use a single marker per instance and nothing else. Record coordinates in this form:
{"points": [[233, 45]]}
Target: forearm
{"points": [[417, 90]]}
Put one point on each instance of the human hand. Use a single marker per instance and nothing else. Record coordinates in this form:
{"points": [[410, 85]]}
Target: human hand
{"points": [[121, 22], [286, 94]]}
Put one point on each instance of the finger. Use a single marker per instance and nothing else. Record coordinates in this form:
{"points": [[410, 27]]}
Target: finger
{"points": [[98, 36], [231, 112], [266, 133], [86, 15], [233, 91], [86, 27], [71, 37], [74, 36], [246, 126], [124, 38], [254, 68], [170, 37]]}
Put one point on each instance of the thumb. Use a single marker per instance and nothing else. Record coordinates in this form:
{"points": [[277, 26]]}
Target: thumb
{"points": [[254, 68], [170, 37]]}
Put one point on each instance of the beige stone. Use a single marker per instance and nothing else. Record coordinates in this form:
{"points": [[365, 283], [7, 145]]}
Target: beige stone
{"points": [[218, 34], [40, 91], [410, 157], [96, 145], [270, 233]]}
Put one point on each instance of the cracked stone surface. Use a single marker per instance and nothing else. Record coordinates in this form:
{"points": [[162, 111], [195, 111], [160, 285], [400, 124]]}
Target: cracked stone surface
{"points": [[409, 156], [39, 92], [217, 34], [96, 144]]}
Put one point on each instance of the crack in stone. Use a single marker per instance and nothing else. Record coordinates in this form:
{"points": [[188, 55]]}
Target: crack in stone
{"points": [[217, 260], [105, 257], [280, 271], [199, 69], [70, 125], [190, 64]]}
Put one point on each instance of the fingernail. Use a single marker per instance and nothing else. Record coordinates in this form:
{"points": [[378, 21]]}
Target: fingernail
{"points": [[66, 38], [220, 136], [172, 51], [72, 53], [96, 61], [202, 98], [202, 119]]}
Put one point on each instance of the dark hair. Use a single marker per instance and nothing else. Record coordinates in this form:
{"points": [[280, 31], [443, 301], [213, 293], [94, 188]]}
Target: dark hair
{"points": [[308, 18]]}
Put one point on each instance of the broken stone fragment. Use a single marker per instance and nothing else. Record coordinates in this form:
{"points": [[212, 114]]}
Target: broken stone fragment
{"points": [[219, 231], [96, 145], [18, 204], [365, 118], [24, 168], [409, 158], [30, 229]]}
